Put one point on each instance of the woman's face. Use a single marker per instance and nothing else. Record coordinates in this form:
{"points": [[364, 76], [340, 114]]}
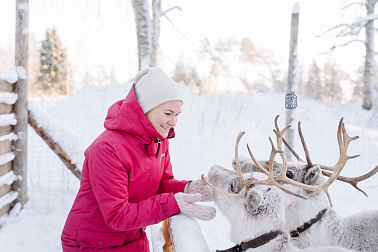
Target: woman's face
{"points": [[164, 116]]}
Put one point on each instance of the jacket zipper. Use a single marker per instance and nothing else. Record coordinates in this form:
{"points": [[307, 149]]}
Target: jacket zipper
{"points": [[158, 141]]}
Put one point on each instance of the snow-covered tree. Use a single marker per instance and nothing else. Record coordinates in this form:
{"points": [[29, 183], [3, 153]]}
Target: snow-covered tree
{"points": [[369, 71], [54, 70], [144, 31], [148, 30], [352, 32], [156, 15]]}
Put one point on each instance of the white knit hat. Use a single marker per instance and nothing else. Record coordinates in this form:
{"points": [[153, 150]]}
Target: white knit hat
{"points": [[153, 87]]}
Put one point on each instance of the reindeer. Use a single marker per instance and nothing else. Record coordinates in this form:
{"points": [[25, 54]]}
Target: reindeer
{"points": [[313, 222], [255, 209]]}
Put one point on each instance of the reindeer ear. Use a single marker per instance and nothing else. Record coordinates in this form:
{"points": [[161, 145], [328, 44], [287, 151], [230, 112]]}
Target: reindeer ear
{"points": [[246, 164], [253, 201], [313, 176]]}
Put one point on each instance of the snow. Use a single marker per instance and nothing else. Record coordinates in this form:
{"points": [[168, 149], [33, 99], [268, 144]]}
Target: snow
{"points": [[185, 230], [186, 234], [21, 71], [24, 7], [13, 73], [158, 240], [67, 138], [8, 198], [25, 31], [8, 119], [9, 137], [205, 136], [8, 178], [296, 8], [7, 157], [8, 98]]}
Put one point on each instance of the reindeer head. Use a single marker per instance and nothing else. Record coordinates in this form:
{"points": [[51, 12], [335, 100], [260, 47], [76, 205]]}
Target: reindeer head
{"points": [[258, 199], [262, 206]]}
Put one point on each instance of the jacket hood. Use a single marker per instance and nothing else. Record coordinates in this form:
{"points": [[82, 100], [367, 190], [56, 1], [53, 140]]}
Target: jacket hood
{"points": [[127, 115]]}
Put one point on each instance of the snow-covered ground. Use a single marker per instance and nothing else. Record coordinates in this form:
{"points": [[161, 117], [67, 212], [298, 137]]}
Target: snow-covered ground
{"points": [[206, 135]]}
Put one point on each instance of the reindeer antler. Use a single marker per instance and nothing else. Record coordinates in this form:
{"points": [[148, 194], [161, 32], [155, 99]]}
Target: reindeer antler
{"points": [[246, 183], [343, 141], [352, 181], [271, 179]]}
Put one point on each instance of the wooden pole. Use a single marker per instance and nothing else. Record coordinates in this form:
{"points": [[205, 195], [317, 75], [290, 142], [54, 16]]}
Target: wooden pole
{"points": [[55, 147], [21, 105], [292, 77]]}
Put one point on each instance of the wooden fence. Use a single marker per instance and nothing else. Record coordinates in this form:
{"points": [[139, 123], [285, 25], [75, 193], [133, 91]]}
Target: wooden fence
{"points": [[7, 156], [14, 121]]}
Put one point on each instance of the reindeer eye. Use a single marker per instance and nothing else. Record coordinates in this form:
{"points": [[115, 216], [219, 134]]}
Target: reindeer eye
{"points": [[289, 174]]}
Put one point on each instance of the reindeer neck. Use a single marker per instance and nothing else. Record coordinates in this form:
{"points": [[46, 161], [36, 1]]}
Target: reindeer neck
{"points": [[299, 212], [324, 229], [253, 227]]}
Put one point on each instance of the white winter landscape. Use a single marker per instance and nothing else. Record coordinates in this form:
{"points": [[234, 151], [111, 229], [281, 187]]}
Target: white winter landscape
{"points": [[205, 136]]}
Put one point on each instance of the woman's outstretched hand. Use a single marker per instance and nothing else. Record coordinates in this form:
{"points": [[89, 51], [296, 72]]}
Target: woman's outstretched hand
{"points": [[187, 205], [198, 186]]}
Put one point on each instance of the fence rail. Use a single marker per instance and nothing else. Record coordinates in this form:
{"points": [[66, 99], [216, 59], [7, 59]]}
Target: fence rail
{"points": [[7, 177]]}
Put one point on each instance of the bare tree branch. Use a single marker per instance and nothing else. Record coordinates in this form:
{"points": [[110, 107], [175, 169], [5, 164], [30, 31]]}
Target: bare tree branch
{"points": [[171, 9], [351, 4], [347, 43]]}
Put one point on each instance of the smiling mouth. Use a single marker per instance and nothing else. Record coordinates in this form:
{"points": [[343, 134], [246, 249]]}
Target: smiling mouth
{"points": [[165, 127]]}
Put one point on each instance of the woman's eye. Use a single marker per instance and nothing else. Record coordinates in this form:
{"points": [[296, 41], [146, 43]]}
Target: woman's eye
{"points": [[289, 174]]}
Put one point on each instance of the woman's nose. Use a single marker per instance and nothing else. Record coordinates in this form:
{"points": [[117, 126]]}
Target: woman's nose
{"points": [[172, 122]]}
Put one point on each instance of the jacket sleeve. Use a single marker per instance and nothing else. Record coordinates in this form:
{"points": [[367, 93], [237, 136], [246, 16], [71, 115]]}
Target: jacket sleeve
{"points": [[109, 179], [168, 183]]}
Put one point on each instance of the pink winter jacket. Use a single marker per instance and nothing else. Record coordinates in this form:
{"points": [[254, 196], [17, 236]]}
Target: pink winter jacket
{"points": [[127, 184]]}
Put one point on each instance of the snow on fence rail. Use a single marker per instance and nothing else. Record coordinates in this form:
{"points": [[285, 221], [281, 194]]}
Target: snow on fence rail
{"points": [[186, 234], [71, 153], [7, 120], [178, 233]]}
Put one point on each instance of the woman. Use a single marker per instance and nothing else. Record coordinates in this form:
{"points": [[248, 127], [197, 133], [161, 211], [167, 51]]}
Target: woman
{"points": [[127, 181]]}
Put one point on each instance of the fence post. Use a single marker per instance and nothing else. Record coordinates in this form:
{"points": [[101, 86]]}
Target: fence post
{"points": [[21, 105], [292, 74]]}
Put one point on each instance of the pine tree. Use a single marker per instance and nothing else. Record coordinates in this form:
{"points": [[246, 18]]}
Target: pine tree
{"points": [[54, 71]]}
